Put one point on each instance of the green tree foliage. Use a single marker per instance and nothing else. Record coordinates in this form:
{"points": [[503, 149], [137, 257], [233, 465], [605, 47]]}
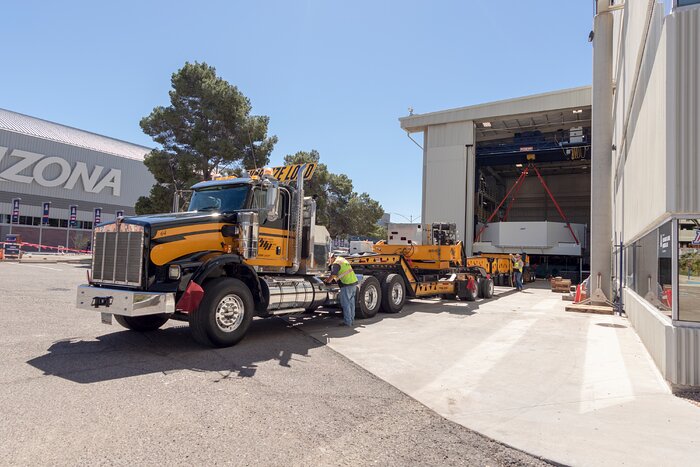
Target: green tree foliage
{"points": [[689, 263], [338, 207], [206, 128]]}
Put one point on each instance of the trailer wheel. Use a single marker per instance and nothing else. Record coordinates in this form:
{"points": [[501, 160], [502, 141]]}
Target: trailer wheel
{"points": [[393, 293], [369, 298], [498, 279], [487, 288], [225, 313], [469, 291], [142, 323]]}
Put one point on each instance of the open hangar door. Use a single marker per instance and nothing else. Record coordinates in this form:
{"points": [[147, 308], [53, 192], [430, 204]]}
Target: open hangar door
{"points": [[545, 213]]}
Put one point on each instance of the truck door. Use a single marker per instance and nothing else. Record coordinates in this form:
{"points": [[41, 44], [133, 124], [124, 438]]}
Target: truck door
{"points": [[274, 236]]}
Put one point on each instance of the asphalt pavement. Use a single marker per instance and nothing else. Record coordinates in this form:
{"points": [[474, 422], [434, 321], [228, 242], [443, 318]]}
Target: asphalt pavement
{"points": [[75, 391]]}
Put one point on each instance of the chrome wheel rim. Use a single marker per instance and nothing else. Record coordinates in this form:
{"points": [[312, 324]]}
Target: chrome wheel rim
{"points": [[371, 297], [396, 293], [229, 313]]}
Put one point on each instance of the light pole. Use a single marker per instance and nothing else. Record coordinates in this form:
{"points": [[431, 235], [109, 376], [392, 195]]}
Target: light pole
{"points": [[72, 218], [45, 207]]}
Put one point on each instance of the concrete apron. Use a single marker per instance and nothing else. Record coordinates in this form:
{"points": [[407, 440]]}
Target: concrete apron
{"points": [[573, 388]]}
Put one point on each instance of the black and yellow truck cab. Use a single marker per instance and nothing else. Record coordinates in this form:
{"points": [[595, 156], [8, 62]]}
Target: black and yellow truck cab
{"points": [[233, 255]]}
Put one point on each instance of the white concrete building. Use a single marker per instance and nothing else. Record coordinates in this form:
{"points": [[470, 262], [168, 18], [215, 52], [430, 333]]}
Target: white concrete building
{"points": [[655, 168], [622, 159]]}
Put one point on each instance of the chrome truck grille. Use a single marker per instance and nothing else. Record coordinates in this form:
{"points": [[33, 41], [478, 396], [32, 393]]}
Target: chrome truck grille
{"points": [[117, 254]]}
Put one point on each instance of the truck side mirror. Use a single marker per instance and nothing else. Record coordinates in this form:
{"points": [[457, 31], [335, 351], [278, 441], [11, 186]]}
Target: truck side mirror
{"points": [[271, 203]]}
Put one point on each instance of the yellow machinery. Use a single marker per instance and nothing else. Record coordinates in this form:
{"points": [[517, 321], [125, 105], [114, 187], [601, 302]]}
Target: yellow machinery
{"points": [[434, 269]]}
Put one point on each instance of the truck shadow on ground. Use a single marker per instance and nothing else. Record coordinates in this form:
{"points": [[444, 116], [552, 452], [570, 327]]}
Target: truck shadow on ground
{"points": [[125, 353]]}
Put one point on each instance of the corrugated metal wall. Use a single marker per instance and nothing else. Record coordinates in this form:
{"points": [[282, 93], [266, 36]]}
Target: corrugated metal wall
{"points": [[644, 145], [687, 356], [445, 177], [660, 172], [684, 42]]}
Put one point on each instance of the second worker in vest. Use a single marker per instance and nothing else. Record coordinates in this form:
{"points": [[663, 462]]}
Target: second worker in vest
{"points": [[343, 273], [518, 269]]}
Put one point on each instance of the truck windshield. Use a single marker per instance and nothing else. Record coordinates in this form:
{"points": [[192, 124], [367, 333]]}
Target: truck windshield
{"points": [[219, 198]]}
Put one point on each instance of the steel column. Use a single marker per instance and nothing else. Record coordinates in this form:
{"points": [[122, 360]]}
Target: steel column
{"points": [[601, 149]]}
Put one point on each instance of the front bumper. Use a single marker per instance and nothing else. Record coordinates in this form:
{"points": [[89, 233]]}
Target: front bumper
{"points": [[124, 302]]}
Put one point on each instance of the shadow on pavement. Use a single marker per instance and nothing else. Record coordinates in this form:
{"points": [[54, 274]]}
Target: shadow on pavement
{"points": [[125, 353]]}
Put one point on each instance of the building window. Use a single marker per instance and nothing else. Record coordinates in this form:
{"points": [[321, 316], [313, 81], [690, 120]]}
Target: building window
{"points": [[689, 270], [687, 2], [649, 268]]}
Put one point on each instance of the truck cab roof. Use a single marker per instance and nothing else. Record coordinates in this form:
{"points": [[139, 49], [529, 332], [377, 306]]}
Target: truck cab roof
{"points": [[224, 182]]}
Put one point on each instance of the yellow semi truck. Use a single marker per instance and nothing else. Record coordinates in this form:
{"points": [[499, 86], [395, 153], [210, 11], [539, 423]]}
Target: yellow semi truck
{"points": [[246, 248]]}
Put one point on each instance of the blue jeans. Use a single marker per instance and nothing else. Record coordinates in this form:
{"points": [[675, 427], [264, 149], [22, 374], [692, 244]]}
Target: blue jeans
{"points": [[518, 280], [347, 301]]}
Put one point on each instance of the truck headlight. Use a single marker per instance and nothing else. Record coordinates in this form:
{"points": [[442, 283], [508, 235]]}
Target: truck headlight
{"points": [[174, 272]]}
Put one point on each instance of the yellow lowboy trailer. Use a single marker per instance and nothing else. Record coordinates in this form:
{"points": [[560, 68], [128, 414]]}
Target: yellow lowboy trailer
{"points": [[426, 270]]}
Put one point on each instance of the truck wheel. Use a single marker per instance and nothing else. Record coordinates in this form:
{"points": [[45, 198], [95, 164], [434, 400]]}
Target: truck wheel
{"points": [[470, 291], [142, 323], [498, 279], [225, 313], [487, 288], [369, 298], [479, 287], [393, 293]]}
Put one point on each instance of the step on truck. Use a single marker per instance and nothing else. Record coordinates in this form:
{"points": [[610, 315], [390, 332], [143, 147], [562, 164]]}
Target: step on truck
{"points": [[245, 248]]}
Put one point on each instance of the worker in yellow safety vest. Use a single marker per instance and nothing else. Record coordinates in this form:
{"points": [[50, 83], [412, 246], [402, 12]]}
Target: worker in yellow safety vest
{"points": [[518, 269], [341, 271]]}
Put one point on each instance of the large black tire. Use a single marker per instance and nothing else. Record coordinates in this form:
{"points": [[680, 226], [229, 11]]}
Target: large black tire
{"points": [[479, 288], [142, 323], [369, 298], [470, 293], [393, 293], [225, 313], [487, 288]]}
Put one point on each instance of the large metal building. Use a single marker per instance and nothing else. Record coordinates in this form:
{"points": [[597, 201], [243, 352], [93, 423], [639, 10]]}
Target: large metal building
{"points": [[44, 162], [632, 175], [514, 175]]}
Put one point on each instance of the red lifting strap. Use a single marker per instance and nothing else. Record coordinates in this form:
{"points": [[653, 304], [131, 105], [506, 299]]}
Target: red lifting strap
{"points": [[514, 190], [483, 227], [551, 196]]}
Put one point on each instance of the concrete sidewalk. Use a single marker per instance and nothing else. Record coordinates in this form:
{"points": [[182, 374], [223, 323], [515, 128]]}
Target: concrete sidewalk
{"points": [[574, 388]]}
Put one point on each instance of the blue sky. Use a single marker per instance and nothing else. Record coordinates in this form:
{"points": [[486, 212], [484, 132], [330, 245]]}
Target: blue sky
{"points": [[332, 76]]}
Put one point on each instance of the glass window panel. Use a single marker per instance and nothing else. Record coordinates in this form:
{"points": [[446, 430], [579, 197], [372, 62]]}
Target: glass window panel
{"points": [[689, 270], [646, 264], [665, 273]]}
